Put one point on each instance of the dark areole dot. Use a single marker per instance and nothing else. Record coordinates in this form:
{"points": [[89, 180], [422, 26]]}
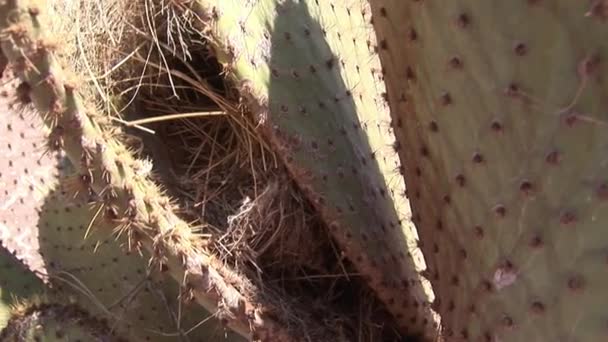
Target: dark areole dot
{"points": [[553, 157], [478, 158], [567, 218], [602, 191], [507, 322], [460, 180], [576, 283], [413, 34], [536, 241], [520, 49], [537, 307], [456, 62], [479, 232], [463, 20], [526, 187], [446, 99], [496, 126]]}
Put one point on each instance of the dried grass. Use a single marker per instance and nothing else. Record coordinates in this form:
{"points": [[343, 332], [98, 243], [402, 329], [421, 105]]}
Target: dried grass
{"points": [[206, 152]]}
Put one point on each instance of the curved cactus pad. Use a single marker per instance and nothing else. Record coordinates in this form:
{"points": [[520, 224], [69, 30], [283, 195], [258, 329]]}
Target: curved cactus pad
{"points": [[311, 76], [503, 111]]}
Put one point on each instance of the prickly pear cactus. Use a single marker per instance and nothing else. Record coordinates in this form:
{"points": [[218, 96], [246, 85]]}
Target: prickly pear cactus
{"points": [[311, 77], [132, 203], [56, 323], [501, 109], [17, 284]]}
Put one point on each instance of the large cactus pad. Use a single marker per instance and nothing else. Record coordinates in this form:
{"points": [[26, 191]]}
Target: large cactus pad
{"points": [[502, 107], [310, 74]]}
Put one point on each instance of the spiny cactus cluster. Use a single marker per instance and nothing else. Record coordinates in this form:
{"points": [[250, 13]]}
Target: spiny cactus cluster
{"points": [[492, 113]]}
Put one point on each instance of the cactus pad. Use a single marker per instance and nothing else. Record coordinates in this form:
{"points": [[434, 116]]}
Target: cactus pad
{"points": [[311, 77], [26, 174], [84, 258], [501, 106]]}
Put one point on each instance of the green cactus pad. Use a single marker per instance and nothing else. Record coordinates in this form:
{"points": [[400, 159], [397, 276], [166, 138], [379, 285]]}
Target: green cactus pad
{"points": [[84, 258], [310, 74], [17, 283], [56, 323], [501, 107]]}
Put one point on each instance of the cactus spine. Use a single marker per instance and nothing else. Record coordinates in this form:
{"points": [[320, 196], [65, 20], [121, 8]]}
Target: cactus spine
{"points": [[501, 107]]}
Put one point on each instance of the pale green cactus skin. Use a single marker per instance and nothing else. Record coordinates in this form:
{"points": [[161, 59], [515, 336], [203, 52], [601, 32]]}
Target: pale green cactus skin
{"points": [[131, 200], [86, 260], [309, 73], [501, 109]]}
